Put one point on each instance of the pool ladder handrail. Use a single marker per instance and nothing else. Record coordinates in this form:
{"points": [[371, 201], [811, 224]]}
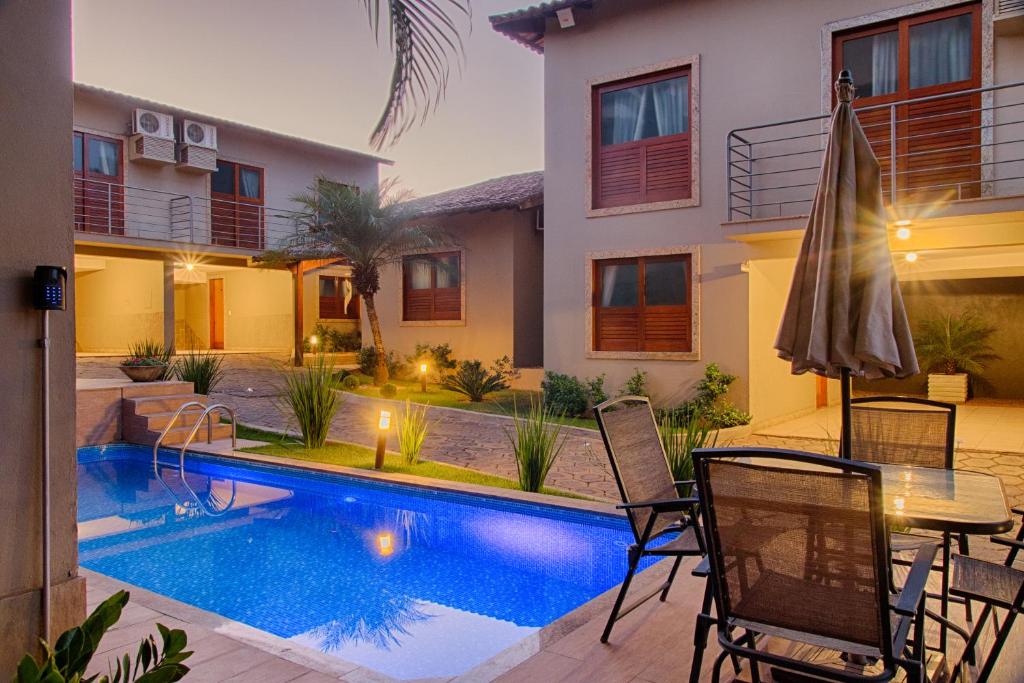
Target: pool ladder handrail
{"points": [[207, 415]]}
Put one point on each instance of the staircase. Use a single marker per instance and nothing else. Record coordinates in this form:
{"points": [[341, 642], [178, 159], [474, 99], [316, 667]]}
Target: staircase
{"points": [[148, 407]]}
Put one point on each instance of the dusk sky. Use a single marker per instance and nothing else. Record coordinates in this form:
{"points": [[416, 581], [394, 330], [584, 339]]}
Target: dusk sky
{"points": [[312, 68]]}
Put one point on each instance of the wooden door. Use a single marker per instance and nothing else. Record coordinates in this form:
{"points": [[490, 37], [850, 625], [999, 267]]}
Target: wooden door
{"points": [[236, 205], [98, 184], [820, 391], [217, 313], [937, 142]]}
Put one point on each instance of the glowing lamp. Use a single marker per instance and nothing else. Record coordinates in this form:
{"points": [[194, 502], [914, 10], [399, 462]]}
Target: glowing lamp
{"points": [[423, 377], [385, 544], [903, 223], [910, 256], [903, 233], [314, 340], [190, 267], [383, 423]]}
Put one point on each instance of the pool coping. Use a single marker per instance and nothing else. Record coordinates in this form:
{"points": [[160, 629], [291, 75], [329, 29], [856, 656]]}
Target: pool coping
{"points": [[488, 670]]}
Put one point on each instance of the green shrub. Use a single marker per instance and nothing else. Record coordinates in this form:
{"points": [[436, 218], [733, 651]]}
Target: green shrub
{"points": [[437, 357], [473, 380], [311, 397], [563, 394], [680, 435], [595, 389], [202, 368], [350, 382], [331, 340], [536, 445], [152, 351], [388, 390], [710, 401], [636, 385], [368, 362], [412, 430], [68, 659], [951, 343]]}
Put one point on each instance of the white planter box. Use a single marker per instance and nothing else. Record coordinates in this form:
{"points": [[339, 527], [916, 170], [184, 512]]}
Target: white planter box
{"points": [[948, 388]]}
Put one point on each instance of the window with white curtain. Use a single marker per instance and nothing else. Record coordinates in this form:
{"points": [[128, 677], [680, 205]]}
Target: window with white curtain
{"points": [[940, 51], [645, 111], [874, 62]]}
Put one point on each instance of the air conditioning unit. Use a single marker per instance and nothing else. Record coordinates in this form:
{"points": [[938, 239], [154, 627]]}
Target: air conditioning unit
{"points": [[198, 134], [196, 159], [153, 123], [148, 149], [1008, 19]]}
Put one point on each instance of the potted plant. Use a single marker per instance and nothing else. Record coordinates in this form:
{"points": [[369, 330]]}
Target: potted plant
{"points": [[141, 369], [951, 348]]}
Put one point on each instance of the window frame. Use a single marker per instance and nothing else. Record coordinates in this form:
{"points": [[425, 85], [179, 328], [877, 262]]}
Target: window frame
{"points": [[227, 210], [902, 26], [689, 66], [404, 275], [93, 191], [593, 291], [338, 299]]}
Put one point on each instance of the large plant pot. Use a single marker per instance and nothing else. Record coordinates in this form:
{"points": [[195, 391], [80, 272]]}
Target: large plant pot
{"points": [[948, 388], [144, 373]]}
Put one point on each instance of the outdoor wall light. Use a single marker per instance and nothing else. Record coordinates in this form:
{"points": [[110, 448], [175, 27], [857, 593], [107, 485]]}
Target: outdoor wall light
{"points": [[383, 424], [910, 256], [423, 377], [385, 544]]}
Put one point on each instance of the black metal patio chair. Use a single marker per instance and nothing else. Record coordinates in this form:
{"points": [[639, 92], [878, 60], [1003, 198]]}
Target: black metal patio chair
{"points": [[652, 499], [798, 551], [995, 586], [901, 430]]}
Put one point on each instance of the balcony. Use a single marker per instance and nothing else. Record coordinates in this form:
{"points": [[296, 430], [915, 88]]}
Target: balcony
{"points": [[127, 213], [935, 153]]}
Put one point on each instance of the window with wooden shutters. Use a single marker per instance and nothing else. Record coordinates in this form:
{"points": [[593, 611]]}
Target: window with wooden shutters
{"points": [[432, 287], [937, 142], [333, 294], [641, 140], [643, 303]]}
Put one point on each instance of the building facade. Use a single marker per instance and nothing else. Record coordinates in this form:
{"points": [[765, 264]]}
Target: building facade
{"points": [[170, 209], [682, 147], [481, 292]]}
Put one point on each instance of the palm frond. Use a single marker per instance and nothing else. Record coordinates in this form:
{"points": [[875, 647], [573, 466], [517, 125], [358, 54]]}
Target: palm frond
{"points": [[424, 37]]}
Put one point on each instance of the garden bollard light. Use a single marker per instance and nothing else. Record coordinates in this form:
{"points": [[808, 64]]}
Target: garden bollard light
{"points": [[382, 438], [423, 377]]}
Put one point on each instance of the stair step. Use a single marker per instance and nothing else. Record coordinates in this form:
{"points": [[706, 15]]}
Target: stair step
{"points": [[177, 436], [157, 421], [144, 389], [151, 405]]}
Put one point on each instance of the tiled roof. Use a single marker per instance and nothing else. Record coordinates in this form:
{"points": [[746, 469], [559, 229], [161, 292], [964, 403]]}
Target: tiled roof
{"points": [[527, 25], [519, 191], [133, 101]]}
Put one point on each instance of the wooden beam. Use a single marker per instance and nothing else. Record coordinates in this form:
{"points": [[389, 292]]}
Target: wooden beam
{"points": [[297, 288]]}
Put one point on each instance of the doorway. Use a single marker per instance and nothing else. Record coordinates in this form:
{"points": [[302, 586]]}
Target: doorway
{"points": [[216, 313]]}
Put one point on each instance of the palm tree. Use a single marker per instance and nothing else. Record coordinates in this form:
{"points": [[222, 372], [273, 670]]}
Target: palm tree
{"points": [[423, 36], [371, 228], [953, 343]]}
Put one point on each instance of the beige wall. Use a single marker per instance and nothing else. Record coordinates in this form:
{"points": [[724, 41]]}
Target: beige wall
{"points": [[748, 76], [35, 220], [258, 309], [119, 304], [486, 333], [528, 291]]}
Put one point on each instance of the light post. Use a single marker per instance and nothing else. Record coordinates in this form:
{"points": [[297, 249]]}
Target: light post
{"points": [[423, 377], [382, 437]]}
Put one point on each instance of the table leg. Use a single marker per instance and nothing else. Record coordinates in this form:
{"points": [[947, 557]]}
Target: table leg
{"points": [[943, 629]]}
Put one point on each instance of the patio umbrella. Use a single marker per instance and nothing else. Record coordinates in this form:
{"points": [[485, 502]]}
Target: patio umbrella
{"points": [[845, 316]]}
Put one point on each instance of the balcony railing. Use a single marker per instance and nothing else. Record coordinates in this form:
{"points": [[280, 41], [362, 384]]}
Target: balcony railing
{"points": [[125, 211], [960, 145]]}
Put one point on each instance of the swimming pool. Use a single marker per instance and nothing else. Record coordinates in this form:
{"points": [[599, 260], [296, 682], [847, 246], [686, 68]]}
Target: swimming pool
{"points": [[410, 582]]}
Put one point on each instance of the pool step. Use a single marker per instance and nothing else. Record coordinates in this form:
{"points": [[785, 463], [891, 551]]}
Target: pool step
{"points": [[145, 415]]}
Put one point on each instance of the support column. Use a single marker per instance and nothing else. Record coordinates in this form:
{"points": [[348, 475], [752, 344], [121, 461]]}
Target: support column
{"points": [[169, 304], [297, 289]]}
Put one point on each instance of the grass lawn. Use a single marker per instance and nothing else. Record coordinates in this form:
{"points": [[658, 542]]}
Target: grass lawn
{"points": [[351, 455], [499, 403]]}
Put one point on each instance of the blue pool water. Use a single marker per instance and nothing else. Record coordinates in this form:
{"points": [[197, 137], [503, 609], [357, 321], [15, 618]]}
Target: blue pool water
{"points": [[410, 582]]}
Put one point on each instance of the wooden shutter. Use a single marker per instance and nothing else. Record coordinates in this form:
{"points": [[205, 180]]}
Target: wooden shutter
{"points": [[641, 327], [434, 303]]}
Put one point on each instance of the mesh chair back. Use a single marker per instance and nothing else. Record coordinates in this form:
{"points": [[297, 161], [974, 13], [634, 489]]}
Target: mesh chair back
{"points": [[796, 542], [902, 431], [638, 460]]}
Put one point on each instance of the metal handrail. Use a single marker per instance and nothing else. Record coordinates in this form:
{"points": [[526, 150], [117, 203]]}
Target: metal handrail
{"points": [[207, 415]]}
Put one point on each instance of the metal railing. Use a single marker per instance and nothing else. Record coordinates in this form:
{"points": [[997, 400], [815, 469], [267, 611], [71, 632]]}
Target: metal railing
{"points": [[126, 211], [958, 145]]}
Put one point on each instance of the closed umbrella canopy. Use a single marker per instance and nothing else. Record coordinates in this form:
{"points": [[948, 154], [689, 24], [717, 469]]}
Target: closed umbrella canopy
{"points": [[844, 309]]}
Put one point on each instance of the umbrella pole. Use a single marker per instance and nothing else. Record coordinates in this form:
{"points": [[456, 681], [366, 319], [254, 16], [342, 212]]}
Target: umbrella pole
{"points": [[845, 435]]}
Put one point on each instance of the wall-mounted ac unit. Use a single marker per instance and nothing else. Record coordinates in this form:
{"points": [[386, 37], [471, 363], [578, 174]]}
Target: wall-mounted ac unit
{"points": [[198, 134], [153, 123], [1009, 18], [195, 159]]}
